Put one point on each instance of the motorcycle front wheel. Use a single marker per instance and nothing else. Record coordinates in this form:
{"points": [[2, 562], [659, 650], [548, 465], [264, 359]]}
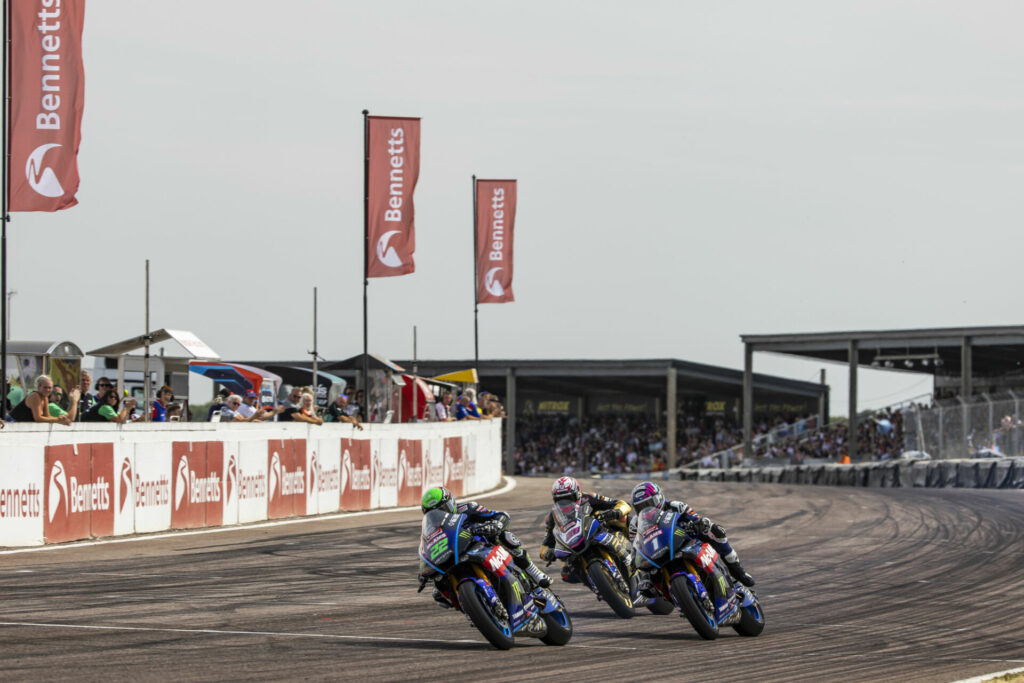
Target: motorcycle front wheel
{"points": [[605, 584], [686, 595], [751, 621], [494, 628], [559, 627]]}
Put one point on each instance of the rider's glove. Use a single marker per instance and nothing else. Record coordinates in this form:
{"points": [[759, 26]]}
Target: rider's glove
{"points": [[606, 515], [487, 529]]}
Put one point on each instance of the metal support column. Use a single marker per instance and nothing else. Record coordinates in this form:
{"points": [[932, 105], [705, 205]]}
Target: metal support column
{"points": [[748, 401], [966, 371], [510, 421], [821, 403], [854, 359], [671, 412]]}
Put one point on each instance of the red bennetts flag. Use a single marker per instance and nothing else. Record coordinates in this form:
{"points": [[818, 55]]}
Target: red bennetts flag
{"points": [[495, 219], [394, 151], [47, 96]]}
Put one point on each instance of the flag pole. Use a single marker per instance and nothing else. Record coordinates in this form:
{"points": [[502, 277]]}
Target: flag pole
{"points": [[476, 297], [4, 197], [366, 253], [314, 353]]}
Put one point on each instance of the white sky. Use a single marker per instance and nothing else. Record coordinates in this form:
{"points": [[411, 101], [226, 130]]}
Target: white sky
{"points": [[688, 172]]}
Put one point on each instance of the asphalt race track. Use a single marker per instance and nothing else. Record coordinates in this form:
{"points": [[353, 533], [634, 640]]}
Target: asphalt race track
{"points": [[856, 584]]}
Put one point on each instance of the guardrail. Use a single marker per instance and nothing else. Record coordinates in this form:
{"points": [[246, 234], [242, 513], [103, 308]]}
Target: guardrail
{"points": [[999, 473], [61, 484]]}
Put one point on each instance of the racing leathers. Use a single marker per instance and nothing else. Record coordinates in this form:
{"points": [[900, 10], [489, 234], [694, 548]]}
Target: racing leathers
{"points": [[492, 525], [613, 513], [711, 533]]}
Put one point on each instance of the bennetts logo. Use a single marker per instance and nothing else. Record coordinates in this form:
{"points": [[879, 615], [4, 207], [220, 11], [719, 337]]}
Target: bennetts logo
{"points": [[41, 178], [58, 490], [386, 254], [493, 287]]}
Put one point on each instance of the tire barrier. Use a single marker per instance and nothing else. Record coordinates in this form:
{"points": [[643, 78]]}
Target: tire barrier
{"points": [[996, 473]]}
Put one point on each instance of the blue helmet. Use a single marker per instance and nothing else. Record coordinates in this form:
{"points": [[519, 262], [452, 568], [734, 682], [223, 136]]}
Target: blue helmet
{"points": [[645, 495]]}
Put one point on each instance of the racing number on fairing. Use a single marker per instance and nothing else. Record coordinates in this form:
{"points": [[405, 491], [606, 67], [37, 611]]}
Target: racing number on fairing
{"points": [[497, 560], [438, 547]]}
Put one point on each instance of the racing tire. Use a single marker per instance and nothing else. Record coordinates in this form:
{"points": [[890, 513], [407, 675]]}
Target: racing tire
{"points": [[605, 584], [704, 624], [497, 631], [751, 621], [661, 606], [558, 633]]}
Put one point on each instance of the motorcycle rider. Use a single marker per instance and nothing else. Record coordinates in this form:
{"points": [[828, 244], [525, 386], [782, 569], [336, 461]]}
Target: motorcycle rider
{"points": [[490, 524], [612, 512], [648, 494]]}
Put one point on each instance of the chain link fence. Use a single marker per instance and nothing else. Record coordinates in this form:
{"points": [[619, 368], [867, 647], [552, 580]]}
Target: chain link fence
{"points": [[962, 428]]}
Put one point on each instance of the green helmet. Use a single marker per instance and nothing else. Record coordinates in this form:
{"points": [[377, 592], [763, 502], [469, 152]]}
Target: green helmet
{"points": [[438, 498]]}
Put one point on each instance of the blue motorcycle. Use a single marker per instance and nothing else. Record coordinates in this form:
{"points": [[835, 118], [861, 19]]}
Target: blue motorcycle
{"points": [[479, 578], [688, 571], [593, 555]]}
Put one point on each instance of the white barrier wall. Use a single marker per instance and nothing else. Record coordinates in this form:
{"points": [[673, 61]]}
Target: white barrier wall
{"points": [[61, 484]]}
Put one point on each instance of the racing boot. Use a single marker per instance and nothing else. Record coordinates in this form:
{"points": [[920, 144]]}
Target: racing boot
{"points": [[539, 577], [441, 600], [732, 561], [644, 593]]}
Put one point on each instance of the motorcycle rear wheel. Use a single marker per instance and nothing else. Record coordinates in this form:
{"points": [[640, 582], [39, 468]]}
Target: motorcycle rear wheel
{"points": [[497, 631], [704, 624], [619, 603]]}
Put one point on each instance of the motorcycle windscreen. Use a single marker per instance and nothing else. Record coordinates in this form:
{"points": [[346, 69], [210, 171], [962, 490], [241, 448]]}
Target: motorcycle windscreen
{"points": [[651, 540], [568, 523], [436, 541]]}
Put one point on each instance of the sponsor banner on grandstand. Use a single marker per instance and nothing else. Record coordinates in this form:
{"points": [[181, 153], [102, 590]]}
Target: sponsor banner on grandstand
{"points": [[542, 404], [454, 468], [286, 477], [78, 500], [124, 489], [152, 491], [47, 97], [495, 219], [383, 473], [794, 406], [324, 477], [622, 404], [355, 474], [252, 481], [197, 486], [21, 496], [394, 159], [410, 472]]}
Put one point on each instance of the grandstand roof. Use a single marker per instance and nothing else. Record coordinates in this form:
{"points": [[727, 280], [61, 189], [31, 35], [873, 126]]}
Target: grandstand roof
{"points": [[937, 351]]}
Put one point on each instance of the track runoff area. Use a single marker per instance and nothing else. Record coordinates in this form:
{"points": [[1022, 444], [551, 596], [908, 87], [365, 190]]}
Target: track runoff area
{"points": [[856, 584]]}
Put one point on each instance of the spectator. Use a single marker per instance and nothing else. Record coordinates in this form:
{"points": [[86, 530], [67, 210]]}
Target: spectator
{"points": [[231, 412], [248, 408], [36, 406], [106, 410], [163, 396], [59, 398], [358, 407], [443, 408], [86, 401], [307, 411], [173, 411], [290, 406], [339, 412], [466, 409], [218, 402]]}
